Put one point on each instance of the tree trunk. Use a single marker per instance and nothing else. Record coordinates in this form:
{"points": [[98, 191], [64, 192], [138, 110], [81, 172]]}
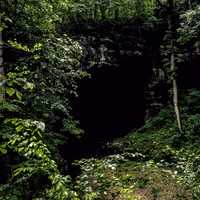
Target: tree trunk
{"points": [[95, 12], [2, 92], [175, 89], [1, 68], [189, 4], [172, 31]]}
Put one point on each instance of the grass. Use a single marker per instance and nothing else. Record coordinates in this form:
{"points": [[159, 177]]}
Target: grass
{"points": [[152, 182]]}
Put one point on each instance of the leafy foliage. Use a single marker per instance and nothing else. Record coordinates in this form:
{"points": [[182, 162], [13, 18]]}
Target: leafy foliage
{"points": [[26, 140], [189, 30], [42, 72], [27, 90], [104, 10], [39, 86], [31, 19]]}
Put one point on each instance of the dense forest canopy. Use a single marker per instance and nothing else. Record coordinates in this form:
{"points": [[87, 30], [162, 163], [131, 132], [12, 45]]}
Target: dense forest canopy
{"points": [[59, 62]]}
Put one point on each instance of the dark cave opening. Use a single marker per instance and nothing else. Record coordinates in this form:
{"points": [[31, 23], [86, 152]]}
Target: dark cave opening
{"points": [[189, 73], [110, 104]]}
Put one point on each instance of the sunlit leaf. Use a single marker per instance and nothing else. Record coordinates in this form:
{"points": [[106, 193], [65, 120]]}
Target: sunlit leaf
{"points": [[19, 95], [10, 91]]}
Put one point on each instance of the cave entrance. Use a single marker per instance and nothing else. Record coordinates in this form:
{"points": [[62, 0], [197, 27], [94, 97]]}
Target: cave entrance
{"points": [[111, 103], [189, 73]]}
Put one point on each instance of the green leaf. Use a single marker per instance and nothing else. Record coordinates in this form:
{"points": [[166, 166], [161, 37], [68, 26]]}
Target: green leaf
{"points": [[8, 19], [13, 197], [19, 128], [29, 86], [10, 91], [3, 151], [19, 95]]}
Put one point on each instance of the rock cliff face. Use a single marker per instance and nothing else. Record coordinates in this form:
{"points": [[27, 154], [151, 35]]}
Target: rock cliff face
{"points": [[127, 85]]}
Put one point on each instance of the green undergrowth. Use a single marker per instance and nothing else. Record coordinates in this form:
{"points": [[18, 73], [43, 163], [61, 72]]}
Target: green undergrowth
{"points": [[155, 162]]}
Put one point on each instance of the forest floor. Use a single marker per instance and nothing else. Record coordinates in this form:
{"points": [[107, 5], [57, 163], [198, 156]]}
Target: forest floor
{"points": [[154, 163]]}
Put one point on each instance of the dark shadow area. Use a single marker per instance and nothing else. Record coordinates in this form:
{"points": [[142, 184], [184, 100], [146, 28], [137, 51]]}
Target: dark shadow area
{"points": [[111, 103], [189, 73]]}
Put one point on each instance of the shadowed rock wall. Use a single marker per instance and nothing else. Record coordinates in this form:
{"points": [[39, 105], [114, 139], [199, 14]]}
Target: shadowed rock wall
{"points": [[124, 87]]}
